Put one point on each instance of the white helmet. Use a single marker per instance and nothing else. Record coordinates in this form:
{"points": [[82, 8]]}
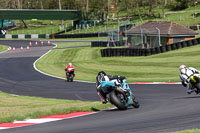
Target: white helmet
{"points": [[70, 64], [182, 67]]}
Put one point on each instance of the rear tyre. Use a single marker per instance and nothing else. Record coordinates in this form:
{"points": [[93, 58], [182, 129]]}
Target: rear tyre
{"points": [[198, 88], [117, 101], [71, 78]]}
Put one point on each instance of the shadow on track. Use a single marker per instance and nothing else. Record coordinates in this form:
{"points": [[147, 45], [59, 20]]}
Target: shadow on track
{"points": [[191, 97], [116, 109]]}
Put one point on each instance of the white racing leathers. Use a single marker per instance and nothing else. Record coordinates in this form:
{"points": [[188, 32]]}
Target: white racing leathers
{"points": [[185, 75]]}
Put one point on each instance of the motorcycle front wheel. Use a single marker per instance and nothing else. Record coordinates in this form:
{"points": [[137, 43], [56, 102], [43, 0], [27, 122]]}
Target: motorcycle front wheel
{"points": [[135, 102], [117, 100]]}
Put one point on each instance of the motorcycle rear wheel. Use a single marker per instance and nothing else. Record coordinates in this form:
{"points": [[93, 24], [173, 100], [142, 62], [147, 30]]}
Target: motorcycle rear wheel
{"points": [[198, 88], [70, 78]]}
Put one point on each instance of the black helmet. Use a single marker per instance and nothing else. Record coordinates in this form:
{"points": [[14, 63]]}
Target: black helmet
{"points": [[101, 72]]}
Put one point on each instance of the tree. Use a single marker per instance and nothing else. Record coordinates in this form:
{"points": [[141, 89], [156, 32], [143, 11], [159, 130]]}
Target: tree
{"points": [[87, 5], [59, 3], [19, 5], [127, 3], [151, 7], [107, 11], [117, 10], [163, 8], [41, 4], [182, 4]]}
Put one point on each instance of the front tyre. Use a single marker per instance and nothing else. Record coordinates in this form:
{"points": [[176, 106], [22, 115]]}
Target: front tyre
{"points": [[135, 102], [117, 100]]}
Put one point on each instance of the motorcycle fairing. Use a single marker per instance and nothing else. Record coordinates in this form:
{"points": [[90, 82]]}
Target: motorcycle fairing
{"points": [[126, 87], [106, 85]]}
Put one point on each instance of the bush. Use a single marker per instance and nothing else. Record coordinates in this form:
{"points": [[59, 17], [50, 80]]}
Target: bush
{"points": [[180, 4]]}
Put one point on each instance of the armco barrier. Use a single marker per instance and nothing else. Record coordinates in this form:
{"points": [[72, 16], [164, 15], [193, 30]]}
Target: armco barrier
{"points": [[81, 35], [105, 43], [146, 51], [23, 36]]}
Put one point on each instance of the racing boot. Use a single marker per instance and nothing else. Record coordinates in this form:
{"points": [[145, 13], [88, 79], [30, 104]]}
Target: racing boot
{"points": [[135, 102], [189, 91]]}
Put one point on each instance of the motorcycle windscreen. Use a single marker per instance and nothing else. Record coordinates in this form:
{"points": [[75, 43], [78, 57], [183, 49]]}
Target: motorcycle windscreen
{"points": [[106, 84]]}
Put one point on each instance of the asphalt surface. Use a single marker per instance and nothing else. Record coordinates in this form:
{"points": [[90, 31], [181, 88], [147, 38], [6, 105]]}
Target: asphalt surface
{"points": [[164, 108]]}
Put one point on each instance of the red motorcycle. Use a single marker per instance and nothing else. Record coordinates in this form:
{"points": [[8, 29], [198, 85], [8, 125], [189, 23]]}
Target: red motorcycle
{"points": [[70, 74]]}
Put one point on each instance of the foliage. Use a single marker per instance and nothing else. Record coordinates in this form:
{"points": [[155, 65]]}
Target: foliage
{"points": [[130, 7]]}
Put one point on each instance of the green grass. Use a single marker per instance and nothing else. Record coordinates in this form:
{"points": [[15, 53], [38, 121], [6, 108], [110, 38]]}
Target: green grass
{"points": [[184, 18], [48, 29], [38, 27], [79, 39], [3, 48], [188, 131], [60, 45], [88, 62], [14, 107]]}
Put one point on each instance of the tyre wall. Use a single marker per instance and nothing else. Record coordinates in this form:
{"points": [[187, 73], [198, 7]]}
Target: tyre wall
{"points": [[109, 52]]}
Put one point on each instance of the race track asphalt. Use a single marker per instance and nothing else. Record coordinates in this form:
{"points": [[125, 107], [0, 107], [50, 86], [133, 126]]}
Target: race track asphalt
{"points": [[164, 108]]}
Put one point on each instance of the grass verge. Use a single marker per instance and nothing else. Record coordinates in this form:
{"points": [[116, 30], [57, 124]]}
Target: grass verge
{"points": [[3, 48], [80, 39], [188, 131], [60, 45], [14, 107], [88, 62]]}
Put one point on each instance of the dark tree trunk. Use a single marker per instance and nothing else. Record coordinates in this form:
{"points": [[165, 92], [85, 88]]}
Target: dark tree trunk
{"points": [[126, 2]]}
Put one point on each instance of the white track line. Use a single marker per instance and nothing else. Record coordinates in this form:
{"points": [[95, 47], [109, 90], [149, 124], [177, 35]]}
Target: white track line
{"points": [[38, 121], [34, 65], [29, 122]]}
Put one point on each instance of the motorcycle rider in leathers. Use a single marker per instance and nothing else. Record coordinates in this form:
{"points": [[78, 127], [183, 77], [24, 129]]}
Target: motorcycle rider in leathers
{"points": [[102, 76], [69, 68], [185, 74]]}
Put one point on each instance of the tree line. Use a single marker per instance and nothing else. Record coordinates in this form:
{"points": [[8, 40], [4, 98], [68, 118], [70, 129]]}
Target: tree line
{"points": [[103, 8]]}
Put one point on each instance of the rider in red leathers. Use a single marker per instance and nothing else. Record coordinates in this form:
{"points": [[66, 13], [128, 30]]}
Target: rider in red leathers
{"points": [[70, 70]]}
